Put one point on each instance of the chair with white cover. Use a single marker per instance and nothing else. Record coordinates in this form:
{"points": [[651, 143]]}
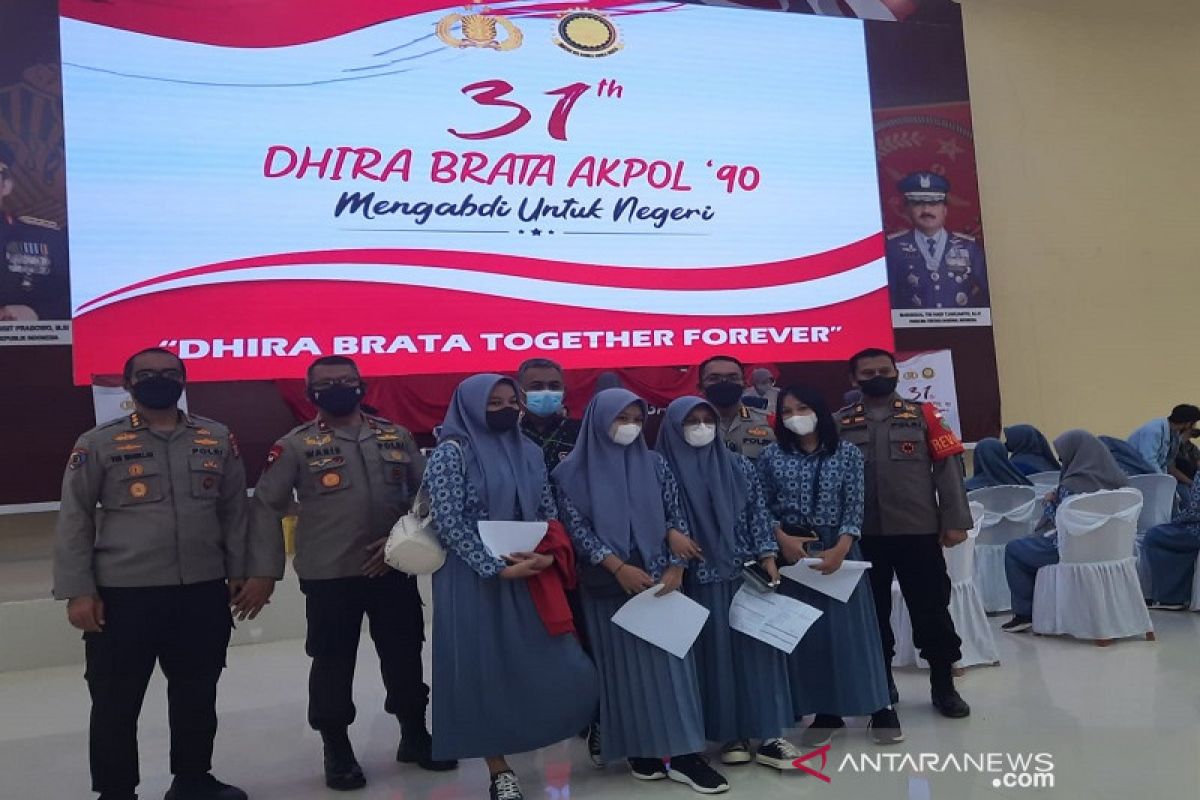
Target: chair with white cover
{"points": [[1093, 592], [1045, 482], [1010, 512], [966, 609], [1195, 606], [1158, 500]]}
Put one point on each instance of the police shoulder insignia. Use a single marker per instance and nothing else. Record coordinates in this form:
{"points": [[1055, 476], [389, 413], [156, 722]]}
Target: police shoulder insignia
{"points": [[39, 222], [78, 458]]}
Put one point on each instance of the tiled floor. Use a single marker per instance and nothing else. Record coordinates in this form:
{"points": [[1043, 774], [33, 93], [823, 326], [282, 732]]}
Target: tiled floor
{"points": [[1118, 723]]}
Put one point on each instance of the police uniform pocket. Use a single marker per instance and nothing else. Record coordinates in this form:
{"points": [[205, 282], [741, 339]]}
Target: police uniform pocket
{"points": [[329, 475], [140, 482], [206, 476], [907, 444], [861, 438], [396, 464]]}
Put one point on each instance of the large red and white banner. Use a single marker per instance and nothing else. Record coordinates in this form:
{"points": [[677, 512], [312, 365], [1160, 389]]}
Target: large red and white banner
{"points": [[451, 189]]}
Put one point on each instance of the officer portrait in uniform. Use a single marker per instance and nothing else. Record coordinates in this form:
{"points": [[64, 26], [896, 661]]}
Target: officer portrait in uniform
{"points": [[928, 266], [744, 430], [150, 555], [355, 474], [33, 272]]}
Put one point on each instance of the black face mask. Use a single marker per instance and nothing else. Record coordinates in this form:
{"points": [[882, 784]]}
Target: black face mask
{"points": [[338, 400], [879, 386], [724, 394], [501, 420], [158, 392]]}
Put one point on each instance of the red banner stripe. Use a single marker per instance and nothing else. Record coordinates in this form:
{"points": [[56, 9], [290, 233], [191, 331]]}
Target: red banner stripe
{"points": [[777, 273]]}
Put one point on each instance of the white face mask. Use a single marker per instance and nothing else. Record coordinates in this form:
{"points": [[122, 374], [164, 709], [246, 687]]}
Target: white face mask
{"points": [[699, 435], [801, 424], [625, 434]]}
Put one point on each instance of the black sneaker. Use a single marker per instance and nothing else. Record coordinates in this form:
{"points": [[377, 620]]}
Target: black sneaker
{"points": [[202, 787], [885, 727], [824, 727], [738, 752], [949, 703], [593, 744], [694, 770], [342, 771], [647, 769], [1017, 624], [505, 787], [778, 753], [416, 747]]}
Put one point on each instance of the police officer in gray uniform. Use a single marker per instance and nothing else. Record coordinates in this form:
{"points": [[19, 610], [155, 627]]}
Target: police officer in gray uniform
{"points": [[355, 475], [928, 266], [33, 259], [915, 505], [744, 430], [145, 574]]}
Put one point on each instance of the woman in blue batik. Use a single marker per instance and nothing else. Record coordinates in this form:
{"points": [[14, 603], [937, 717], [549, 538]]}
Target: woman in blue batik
{"points": [[743, 681], [503, 683], [814, 481], [618, 500]]}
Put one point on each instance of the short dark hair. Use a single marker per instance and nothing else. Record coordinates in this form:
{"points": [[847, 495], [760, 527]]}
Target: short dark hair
{"points": [[127, 373], [870, 352], [538, 363], [827, 429], [704, 364], [329, 361], [1185, 412]]}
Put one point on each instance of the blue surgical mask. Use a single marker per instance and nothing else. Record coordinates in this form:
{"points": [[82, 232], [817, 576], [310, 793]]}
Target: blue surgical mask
{"points": [[544, 403]]}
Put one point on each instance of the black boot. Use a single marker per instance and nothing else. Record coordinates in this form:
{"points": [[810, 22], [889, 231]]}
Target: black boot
{"points": [[416, 747], [342, 772], [946, 698], [202, 787]]}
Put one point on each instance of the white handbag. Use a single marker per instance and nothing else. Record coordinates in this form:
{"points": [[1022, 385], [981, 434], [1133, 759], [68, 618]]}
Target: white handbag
{"points": [[412, 546]]}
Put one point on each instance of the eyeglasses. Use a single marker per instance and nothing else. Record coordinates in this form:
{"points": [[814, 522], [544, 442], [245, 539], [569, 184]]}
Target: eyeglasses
{"points": [[320, 386], [147, 374]]}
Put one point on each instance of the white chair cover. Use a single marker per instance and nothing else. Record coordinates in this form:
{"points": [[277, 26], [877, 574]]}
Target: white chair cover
{"points": [[1093, 593], [1045, 482], [966, 609], [1010, 512], [1158, 500], [1195, 606]]}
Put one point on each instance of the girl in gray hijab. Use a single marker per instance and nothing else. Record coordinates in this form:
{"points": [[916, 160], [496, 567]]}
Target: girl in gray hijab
{"points": [[743, 682], [1087, 466], [618, 500], [486, 629]]}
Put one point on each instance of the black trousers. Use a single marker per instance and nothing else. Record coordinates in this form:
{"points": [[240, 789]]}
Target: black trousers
{"points": [[335, 609], [185, 629], [919, 566]]}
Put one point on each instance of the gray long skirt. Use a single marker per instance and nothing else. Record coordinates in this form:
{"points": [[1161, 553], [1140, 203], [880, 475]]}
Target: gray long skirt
{"points": [[744, 684], [649, 699], [838, 666], [501, 683]]}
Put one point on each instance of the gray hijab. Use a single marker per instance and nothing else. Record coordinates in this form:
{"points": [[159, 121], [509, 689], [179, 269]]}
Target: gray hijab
{"points": [[506, 468], [1087, 466], [713, 489], [615, 487]]}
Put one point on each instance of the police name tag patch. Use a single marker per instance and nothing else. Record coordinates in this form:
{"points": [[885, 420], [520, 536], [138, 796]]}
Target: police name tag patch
{"points": [[78, 458]]}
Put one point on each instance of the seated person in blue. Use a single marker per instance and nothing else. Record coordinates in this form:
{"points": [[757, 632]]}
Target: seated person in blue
{"points": [[1087, 467], [1171, 552], [1031, 453], [992, 467]]}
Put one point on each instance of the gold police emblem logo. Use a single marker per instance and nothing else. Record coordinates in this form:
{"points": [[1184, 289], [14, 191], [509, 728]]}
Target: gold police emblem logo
{"points": [[479, 29], [210, 464], [138, 490], [331, 480], [928, 373], [317, 441], [588, 33], [136, 470]]}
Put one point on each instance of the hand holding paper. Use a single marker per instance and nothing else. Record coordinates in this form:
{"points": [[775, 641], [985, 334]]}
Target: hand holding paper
{"points": [[671, 622], [505, 538], [838, 585]]}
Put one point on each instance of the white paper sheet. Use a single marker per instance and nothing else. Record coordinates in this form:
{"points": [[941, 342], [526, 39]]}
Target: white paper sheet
{"points": [[671, 622], [840, 585], [506, 538], [771, 617]]}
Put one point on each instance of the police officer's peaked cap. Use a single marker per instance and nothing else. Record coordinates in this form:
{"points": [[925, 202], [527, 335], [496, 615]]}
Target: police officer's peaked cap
{"points": [[925, 187]]}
